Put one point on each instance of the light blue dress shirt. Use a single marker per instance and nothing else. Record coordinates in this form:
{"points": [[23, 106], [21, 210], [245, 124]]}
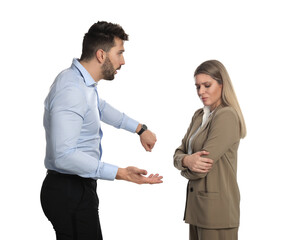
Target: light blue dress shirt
{"points": [[72, 117]]}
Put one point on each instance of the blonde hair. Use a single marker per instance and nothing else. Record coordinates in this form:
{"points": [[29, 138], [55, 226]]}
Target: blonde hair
{"points": [[218, 72]]}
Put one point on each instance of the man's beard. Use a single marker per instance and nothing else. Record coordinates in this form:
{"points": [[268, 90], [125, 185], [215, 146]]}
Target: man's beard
{"points": [[108, 70]]}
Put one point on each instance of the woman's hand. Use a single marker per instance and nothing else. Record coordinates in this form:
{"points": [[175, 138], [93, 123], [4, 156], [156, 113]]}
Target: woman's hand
{"points": [[197, 163]]}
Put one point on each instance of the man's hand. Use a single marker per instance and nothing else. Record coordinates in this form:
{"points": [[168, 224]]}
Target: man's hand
{"points": [[147, 138], [197, 163], [136, 175]]}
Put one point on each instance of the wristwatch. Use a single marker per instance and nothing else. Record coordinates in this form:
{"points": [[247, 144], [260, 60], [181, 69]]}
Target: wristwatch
{"points": [[143, 128]]}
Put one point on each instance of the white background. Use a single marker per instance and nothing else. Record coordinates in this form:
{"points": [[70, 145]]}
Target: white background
{"points": [[168, 40]]}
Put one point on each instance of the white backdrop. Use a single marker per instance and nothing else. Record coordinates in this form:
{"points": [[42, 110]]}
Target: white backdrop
{"points": [[168, 40]]}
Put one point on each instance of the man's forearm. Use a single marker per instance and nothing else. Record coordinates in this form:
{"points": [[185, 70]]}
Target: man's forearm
{"points": [[121, 174]]}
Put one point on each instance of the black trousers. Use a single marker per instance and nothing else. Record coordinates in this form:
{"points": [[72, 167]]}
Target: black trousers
{"points": [[70, 203]]}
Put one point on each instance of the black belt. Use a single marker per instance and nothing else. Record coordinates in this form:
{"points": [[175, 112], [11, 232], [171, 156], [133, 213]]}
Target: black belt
{"points": [[61, 174], [52, 172]]}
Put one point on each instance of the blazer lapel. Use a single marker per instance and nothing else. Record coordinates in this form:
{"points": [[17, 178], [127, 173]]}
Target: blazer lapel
{"points": [[198, 123], [194, 128]]}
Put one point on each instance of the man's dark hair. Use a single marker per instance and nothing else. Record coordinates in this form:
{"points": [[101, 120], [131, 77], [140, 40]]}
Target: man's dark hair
{"points": [[101, 36]]}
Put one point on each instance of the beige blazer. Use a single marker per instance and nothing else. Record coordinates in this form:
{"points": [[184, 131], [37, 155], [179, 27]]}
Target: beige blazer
{"points": [[213, 199]]}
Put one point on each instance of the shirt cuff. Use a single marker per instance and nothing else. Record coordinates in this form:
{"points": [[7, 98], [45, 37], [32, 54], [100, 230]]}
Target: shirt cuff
{"points": [[108, 172], [129, 124]]}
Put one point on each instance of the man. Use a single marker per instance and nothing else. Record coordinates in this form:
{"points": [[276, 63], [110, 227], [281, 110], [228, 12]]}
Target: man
{"points": [[73, 111]]}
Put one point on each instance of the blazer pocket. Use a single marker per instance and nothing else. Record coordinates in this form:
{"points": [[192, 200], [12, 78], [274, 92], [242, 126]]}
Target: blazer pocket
{"points": [[208, 195], [210, 211]]}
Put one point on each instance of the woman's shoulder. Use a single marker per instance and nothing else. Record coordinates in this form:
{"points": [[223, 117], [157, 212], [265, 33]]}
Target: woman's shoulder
{"points": [[226, 111]]}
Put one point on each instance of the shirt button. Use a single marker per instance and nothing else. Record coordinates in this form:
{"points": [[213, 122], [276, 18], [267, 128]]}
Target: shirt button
{"points": [[191, 189]]}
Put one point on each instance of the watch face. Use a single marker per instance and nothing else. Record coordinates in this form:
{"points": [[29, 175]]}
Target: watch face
{"points": [[144, 127]]}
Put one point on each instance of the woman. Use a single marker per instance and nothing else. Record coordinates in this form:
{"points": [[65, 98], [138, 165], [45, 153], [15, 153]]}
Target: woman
{"points": [[208, 157]]}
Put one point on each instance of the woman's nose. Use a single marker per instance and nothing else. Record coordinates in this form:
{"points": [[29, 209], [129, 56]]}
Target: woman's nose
{"points": [[201, 90]]}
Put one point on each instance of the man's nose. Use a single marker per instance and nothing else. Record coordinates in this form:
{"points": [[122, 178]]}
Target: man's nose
{"points": [[122, 61]]}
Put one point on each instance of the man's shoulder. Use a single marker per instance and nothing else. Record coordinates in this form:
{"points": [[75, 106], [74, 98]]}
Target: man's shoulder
{"points": [[67, 81], [68, 77]]}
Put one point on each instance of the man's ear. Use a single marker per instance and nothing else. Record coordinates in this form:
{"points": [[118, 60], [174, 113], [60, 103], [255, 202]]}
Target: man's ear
{"points": [[100, 55]]}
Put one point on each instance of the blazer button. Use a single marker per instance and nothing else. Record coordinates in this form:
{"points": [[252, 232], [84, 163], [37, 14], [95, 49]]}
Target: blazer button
{"points": [[191, 189]]}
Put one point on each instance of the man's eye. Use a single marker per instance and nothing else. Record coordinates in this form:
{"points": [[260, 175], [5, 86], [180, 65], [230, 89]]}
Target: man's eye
{"points": [[207, 86]]}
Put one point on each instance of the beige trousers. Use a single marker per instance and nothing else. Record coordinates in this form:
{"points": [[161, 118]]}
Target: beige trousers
{"points": [[197, 233]]}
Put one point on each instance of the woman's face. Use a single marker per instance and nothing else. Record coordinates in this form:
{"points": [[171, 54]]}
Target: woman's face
{"points": [[209, 90]]}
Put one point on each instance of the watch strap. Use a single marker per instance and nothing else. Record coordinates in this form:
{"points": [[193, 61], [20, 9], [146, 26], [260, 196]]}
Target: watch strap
{"points": [[143, 128]]}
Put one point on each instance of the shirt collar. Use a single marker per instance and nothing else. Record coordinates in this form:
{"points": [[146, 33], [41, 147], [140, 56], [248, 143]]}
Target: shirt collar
{"points": [[89, 81], [206, 109]]}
